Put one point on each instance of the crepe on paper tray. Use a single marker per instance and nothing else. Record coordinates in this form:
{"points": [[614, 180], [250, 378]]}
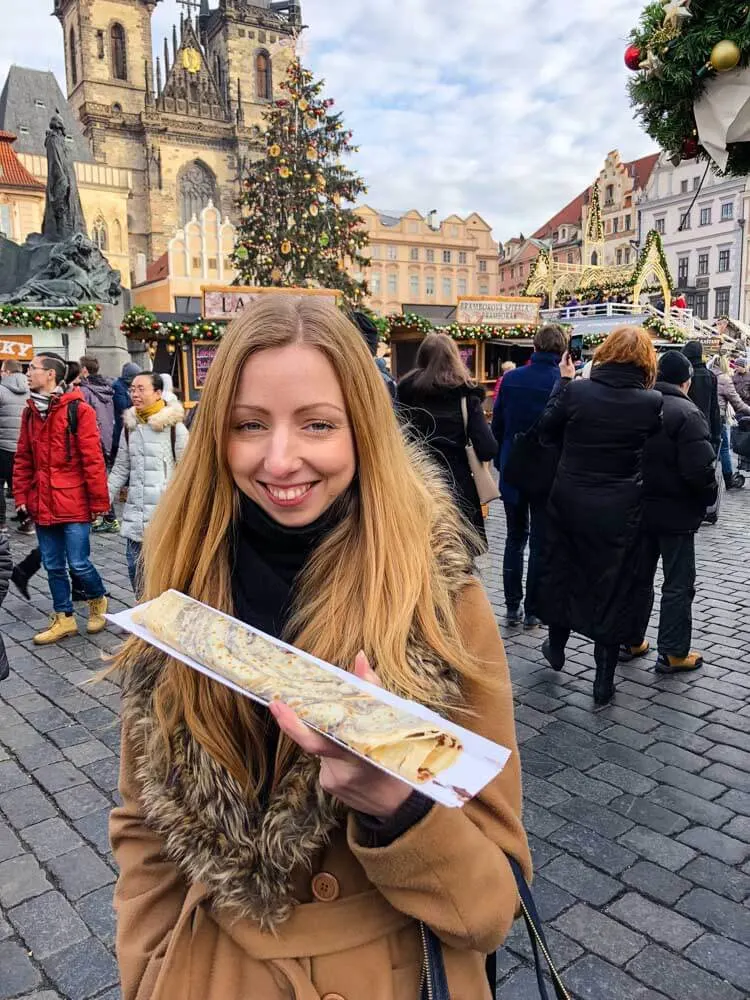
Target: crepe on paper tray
{"points": [[444, 761]]}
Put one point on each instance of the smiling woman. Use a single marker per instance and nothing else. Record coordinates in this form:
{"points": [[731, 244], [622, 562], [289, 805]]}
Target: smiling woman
{"points": [[300, 509]]}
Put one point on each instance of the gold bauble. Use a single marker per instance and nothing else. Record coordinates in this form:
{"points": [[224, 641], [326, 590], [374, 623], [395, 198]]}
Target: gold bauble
{"points": [[286, 247], [284, 172], [725, 56], [275, 150], [276, 274]]}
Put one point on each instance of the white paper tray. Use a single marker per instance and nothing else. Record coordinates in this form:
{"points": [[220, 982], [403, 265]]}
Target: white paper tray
{"points": [[480, 762]]}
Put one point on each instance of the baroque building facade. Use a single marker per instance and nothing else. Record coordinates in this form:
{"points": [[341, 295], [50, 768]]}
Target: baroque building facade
{"points": [[184, 120]]}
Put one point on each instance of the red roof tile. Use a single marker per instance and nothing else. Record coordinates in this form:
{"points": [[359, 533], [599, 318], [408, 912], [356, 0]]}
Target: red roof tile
{"points": [[13, 174], [158, 269], [641, 170]]}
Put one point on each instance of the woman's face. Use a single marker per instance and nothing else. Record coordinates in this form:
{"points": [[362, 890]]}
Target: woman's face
{"points": [[291, 448]]}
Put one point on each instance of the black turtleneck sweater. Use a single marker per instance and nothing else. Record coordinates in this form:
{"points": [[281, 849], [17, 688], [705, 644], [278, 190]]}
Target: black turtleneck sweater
{"points": [[268, 557]]}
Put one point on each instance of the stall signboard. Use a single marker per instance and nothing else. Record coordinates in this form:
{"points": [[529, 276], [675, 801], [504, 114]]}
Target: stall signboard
{"points": [[16, 347], [204, 352], [498, 311], [228, 302]]}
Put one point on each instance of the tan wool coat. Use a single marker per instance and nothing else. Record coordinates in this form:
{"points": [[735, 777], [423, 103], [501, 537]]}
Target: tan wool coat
{"points": [[215, 903]]}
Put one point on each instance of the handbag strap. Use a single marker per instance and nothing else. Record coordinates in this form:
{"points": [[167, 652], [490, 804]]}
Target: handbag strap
{"points": [[465, 415], [434, 983]]}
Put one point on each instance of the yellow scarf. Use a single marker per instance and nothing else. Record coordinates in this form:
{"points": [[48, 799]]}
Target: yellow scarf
{"points": [[149, 411]]}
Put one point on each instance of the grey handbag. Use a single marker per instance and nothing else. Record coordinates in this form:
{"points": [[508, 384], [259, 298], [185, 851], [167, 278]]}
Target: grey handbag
{"points": [[484, 479]]}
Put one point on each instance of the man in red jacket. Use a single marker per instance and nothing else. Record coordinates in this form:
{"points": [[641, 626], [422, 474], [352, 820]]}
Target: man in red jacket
{"points": [[60, 481]]}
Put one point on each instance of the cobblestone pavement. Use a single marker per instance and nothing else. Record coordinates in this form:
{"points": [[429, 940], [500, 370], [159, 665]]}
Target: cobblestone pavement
{"points": [[639, 814]]}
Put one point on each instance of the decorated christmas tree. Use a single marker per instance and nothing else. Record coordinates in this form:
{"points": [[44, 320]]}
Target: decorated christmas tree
{"points": [[298, 227], [693, 85]]}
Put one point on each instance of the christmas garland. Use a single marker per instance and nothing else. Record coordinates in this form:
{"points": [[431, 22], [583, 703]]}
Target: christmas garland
{"points": [[677, 50], [141, 324], [665, 330], [412, 323], [86, 316]]}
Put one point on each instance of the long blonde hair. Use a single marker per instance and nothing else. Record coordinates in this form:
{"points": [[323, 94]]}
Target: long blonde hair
{"points": [[373, 584]]}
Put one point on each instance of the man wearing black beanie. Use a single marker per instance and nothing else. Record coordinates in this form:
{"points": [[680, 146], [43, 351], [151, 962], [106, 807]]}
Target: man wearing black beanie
{"points": [[371, 337], [679, 483]]}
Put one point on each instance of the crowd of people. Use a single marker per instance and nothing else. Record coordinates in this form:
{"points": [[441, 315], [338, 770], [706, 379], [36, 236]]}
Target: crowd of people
{"points": [[329, 506]]}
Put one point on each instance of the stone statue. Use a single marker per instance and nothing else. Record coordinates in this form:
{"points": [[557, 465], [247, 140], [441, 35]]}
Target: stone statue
{"points": [[63, 215], [76, 272]]}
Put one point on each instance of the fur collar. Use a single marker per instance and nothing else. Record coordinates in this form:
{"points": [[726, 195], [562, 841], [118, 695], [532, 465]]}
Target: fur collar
{"points": [[171, 415], [248, 860]]}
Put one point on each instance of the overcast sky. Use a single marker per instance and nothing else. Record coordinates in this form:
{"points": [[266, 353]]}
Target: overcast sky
{"points": [[503, 107]]}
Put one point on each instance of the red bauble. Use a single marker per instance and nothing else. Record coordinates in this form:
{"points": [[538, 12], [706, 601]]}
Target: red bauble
{"points": [[633, 57], [689, 148]]}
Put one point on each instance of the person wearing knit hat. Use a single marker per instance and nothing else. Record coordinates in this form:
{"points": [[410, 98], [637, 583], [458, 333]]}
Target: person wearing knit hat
{"points": [[122, 401], [371, 337], [679, 483]]}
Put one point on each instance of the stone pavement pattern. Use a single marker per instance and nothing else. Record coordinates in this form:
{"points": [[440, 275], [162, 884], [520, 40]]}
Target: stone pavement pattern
{"points": [[638, 814]]}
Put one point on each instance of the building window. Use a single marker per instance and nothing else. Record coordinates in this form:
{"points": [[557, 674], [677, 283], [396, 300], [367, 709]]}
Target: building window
{"points": [[484, 288], [73, 58], [429, 287], [618, 257], [706, 216], [430, 256], [375, 282], [696, 183], [99, 234], [462, 286], [615, 225], [463, 257], [5, 220], [627, 256], [414, 287], [117, 52], [392, 253], [722, 301], [683, 187], [727, 211], [393, 284], [683, 270], [375, 254], [100, 44], [724, 260], [483, 266], [701, 305], [414, 253], [702, 264], [196, 185], [570, 258], [609, 194], [446, 256], [660, 226], [513, 272], [628, 221], [447, 288], [685, 221], [502, 277], [263, 82]]}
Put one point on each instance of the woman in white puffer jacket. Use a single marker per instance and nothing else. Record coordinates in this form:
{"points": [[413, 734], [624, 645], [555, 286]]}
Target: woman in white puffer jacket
{"points": [[152, 442]]}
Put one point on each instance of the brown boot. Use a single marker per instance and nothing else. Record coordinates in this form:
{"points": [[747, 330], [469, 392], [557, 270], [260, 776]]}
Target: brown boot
{"points": [[628, 653], [678, 664], [97, 610]]}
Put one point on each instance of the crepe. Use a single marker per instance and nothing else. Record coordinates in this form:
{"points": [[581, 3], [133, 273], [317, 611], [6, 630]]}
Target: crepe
{"points": [[389, 736]]}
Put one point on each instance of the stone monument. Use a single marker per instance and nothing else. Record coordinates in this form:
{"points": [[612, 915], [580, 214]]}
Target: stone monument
{"points": [[62, 267]]}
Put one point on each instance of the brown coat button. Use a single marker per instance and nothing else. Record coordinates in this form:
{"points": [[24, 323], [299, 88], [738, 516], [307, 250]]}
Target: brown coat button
{"points": [[325, 887]]}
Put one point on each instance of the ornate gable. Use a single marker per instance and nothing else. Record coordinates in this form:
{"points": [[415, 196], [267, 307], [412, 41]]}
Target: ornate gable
{"points": [[190, 86]]}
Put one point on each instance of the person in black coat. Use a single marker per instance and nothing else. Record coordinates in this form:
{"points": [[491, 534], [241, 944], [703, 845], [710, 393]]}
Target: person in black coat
{"points": [[6, 566], [595, 576], [704, 390], [679, 484], [433, 398]]}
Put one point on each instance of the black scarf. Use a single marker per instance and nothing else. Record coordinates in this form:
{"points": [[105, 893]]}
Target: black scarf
{"points": [[268, 558]]}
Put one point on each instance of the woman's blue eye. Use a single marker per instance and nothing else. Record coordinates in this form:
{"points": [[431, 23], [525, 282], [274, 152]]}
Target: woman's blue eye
{"points": [[250, 425], [320, 426]]}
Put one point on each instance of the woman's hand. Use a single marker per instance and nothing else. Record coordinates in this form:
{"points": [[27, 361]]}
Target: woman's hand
{"points": [[355, 782], [567, 367]]}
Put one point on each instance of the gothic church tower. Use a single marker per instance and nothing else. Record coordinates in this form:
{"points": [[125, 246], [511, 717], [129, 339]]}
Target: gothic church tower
{"points": [[183, 121]]}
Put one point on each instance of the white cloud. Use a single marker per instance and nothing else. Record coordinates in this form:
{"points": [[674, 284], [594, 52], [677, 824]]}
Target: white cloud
{"points": [[503, 108]]}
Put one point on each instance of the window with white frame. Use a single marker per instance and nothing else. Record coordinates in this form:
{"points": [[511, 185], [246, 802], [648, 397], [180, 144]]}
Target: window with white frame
{"points": [[446, 256], [685, 221], [484, 288], [414, 287], [723, 296], [414, 253], [683, 187], [462, 286], [429, 286], [683, 270], [618, 257], [727, 211], [701, 305], [483, 266], [375, 282], [660, 225], [462, 257], [393, 284], [615, 225], [376, 251], [447, 288], [706, 216], [703, 263], [392, 253], [430, 256], [725, 260]]}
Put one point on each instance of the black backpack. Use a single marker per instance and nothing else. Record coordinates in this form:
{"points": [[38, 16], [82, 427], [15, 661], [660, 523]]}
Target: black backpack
{"points": [[71, 430]]}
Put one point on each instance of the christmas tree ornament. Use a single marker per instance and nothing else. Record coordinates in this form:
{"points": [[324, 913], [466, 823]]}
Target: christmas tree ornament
{"points": [[690, 148], [633, 57], [275, 150], [725, 56], [676, 12], [276, 275], [311, 122], [651, 65], [241, 253], [284, 172], [324, 240], [312, 154], [303, 105], [286, 247], [313, 209]]}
